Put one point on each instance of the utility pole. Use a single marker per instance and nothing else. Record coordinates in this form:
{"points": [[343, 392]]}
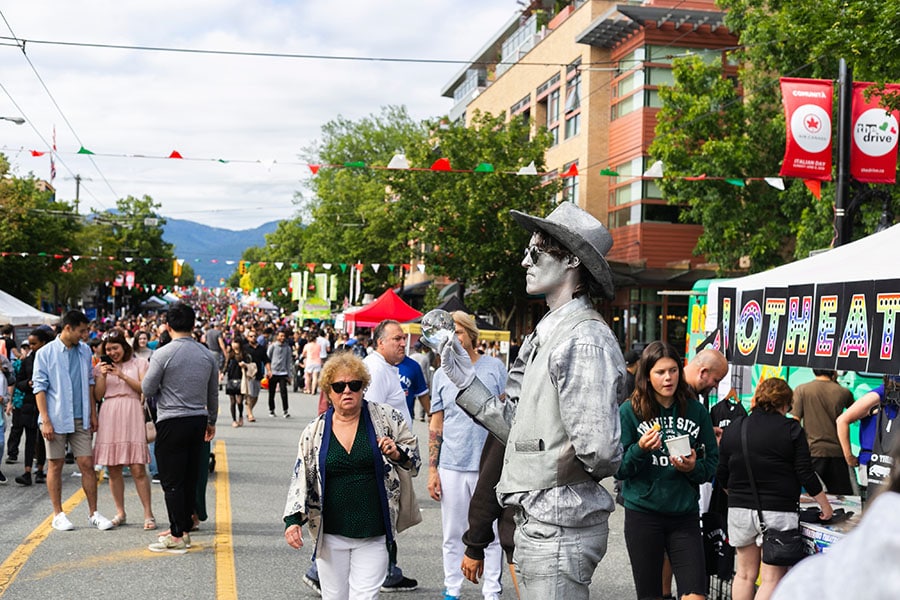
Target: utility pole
{"points": [[77, 192], [843, 216]]}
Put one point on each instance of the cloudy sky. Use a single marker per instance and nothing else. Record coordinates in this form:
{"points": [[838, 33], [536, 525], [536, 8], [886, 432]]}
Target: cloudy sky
{"points": [[259, 113]]}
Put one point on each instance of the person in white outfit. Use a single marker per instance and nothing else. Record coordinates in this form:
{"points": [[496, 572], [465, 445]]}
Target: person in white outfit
{"points": [[454, 448]]}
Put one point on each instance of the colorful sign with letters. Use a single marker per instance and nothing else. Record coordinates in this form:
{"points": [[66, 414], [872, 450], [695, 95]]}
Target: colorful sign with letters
{"points": [[843, 326]]}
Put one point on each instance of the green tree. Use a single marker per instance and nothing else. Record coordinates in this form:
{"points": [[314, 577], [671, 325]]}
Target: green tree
{"points": [[462, 220], [354, 217], [132, 234], [718, 130], [32, 222], [706, 126], [284, 246]]}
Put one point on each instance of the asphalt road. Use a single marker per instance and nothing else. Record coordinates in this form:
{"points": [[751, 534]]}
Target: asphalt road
{"points": [[238, 552]]}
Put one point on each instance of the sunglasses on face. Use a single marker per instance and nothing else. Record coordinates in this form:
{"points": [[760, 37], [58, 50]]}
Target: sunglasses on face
{"points": [[338, 386], [533, 253]]}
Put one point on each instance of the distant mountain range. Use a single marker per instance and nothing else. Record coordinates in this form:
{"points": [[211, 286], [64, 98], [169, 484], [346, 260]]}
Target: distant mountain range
{"points": [[195, 241]]}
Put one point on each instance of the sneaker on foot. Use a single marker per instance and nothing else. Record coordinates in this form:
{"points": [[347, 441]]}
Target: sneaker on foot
{"points": [[312, 583], [3, 478], [24, 479], [404, 584], [271, 413], [11, 460], [168, 544], [287, 415], [39, 477], [100, 522], [62, 523], [449, 596], [186, 538]]}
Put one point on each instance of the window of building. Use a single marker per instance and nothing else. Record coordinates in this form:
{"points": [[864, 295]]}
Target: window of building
{"points": [[521, 104], [573, 125], [552, 108], [645, 213], [570, 185], [573, 93], [545, 87]]}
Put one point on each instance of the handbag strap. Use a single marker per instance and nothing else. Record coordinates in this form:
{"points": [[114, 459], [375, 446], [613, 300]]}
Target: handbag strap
{"points": [[762, 522]]}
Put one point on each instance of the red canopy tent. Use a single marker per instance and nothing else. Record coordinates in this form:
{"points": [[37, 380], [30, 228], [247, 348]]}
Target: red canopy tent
{"points": [[387, 306]]}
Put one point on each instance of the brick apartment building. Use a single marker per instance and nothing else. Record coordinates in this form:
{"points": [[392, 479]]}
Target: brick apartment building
{"points": [[589, 72]]}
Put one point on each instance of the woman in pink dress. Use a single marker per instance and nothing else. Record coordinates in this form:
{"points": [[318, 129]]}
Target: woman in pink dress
{"points": [[121, 434], [312, 363]]}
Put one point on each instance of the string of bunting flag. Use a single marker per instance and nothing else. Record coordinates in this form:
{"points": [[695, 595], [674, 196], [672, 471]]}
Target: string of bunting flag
{"points": [[443, 165], [279, 265]]}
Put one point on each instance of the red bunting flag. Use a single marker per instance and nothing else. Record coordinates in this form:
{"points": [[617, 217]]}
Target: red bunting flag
{"points": [[572, 172], [814, 186], [807, 109], [697, 178], [175, 154], [311, 266], [314, 169], [37, 153], [441, 164], [873, 148]]}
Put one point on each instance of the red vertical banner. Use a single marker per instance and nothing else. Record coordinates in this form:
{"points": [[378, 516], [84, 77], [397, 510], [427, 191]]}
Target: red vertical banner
{"points": [[129, 279], [807, 109], [873, 149]]}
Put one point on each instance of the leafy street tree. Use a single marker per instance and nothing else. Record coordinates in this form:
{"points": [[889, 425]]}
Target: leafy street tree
{"points": [[457, 223], [353, 216], [705, 126], [807, 40], [461, 221], [133, 235], [285, 246], [708, 126], [31, 222]]}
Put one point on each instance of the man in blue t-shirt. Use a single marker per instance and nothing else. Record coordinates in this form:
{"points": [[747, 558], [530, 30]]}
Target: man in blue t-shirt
{"points": [[412, 380]]}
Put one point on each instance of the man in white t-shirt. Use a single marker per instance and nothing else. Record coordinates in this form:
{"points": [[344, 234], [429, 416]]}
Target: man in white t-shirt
{"points": [[390, 348]]}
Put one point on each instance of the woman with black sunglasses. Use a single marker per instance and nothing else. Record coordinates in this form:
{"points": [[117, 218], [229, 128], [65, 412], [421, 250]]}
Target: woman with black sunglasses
{"points": [[351, 508]]}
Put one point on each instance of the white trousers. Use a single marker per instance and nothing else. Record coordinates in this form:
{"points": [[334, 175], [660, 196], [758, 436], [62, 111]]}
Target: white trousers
{"points": [[457, 488], [351, 568]]}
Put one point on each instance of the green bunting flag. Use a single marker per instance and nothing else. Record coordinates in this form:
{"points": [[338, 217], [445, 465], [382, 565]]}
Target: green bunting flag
{"points": [[484, 168]]}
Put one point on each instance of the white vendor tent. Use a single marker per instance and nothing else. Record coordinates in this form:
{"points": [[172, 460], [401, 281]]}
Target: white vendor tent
{"points": [[873, 258], [16, 313]]}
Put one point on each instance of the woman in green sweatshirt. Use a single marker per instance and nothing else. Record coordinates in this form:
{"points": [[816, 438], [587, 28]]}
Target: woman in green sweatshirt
{"points": [[661, 490]]}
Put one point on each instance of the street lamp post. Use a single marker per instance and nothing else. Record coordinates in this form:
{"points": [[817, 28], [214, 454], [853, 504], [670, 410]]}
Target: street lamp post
{"points": [[16, 120]]}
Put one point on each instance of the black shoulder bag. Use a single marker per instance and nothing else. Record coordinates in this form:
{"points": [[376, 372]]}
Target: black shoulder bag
{"points": [[780, 548]]}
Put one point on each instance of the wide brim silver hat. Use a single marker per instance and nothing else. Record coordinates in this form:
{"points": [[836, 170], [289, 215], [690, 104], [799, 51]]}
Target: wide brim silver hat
{"points": [[581, 234]]}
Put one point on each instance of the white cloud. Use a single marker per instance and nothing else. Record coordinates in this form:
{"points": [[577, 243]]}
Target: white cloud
{"points": [[127, 102]]}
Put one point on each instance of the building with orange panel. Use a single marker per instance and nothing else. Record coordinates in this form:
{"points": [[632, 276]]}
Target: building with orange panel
{"points": [[590, 73]]}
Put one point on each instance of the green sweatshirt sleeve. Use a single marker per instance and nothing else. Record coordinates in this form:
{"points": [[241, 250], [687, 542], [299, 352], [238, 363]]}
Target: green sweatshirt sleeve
{"points": [[634, 460], [705, 467]]}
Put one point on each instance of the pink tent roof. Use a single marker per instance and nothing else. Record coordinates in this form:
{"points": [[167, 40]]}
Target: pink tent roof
{"points": [[387, 306]]}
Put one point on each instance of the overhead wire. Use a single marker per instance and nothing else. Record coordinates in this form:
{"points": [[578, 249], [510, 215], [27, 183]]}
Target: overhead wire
{"points": [[59, 110]]}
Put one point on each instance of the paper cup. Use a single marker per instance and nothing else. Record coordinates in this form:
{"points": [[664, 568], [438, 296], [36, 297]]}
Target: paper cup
{"points": [[679, 445]]}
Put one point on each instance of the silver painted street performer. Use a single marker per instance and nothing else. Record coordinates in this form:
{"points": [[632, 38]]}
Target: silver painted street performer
{"points": [[560, 420]]}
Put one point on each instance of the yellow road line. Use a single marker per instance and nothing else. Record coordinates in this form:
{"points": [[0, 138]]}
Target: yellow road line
{"points": [[14, 563], [226, 578]]}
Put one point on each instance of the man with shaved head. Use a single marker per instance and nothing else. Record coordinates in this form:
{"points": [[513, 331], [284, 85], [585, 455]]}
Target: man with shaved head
{"points": [[705, 371]]}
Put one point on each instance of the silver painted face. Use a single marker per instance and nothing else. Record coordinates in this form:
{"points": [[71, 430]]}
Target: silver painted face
{"points": [[544, 272]]}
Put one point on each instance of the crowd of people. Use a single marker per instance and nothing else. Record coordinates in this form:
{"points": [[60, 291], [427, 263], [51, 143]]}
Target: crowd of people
{"points": [[515, 457]]}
